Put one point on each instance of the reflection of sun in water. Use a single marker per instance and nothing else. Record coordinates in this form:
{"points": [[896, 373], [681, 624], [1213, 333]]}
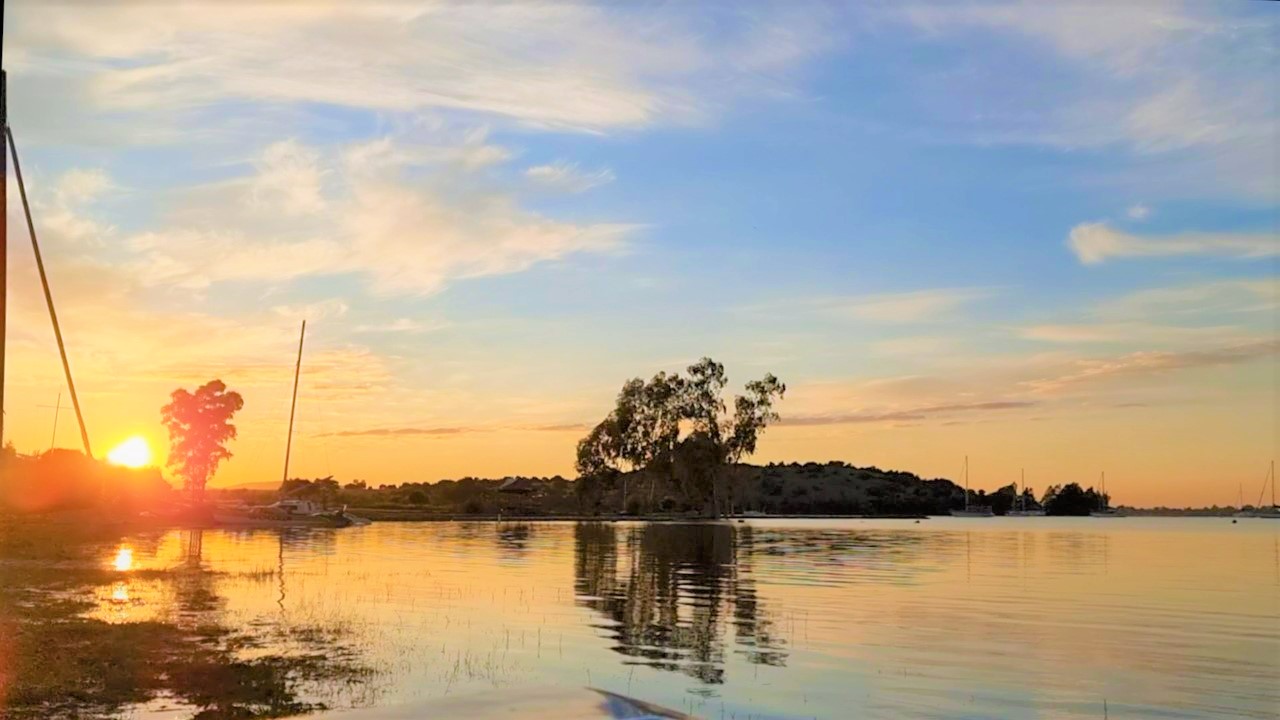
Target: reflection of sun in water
{"points": [[124, 559], [134, 453], [120, 593]]}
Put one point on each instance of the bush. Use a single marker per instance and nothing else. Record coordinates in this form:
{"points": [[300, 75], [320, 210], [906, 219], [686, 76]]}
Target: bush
{"points": [[417, 497]]}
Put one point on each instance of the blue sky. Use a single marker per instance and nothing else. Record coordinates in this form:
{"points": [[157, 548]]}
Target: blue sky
{"points": [[943, 224]]}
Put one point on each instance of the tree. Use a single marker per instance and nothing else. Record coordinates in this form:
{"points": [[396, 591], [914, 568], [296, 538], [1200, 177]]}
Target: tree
{"points": [[199, 425], [1071, 499], [643, 432]]}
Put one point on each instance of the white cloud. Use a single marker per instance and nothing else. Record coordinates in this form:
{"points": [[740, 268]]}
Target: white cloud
{"points": [[1138, 211], [569, 65], [406, 232], [567, 177], [1095, 243]]}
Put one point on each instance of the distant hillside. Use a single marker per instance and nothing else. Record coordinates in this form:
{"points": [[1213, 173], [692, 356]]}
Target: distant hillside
{"points": [[836, 488], [833, 488]]}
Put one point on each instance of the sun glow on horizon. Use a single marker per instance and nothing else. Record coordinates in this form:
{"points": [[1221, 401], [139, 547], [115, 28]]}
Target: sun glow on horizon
{"points": [[134, 453]]}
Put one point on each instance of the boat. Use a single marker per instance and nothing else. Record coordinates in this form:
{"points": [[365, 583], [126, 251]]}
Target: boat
{"points": [[1104, 508], [971, 511], [1020, 508], [1258, 511], [290, 511]]}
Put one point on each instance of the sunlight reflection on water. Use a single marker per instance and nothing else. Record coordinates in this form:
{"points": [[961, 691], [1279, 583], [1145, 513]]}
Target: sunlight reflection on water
{"points": [[950, 618]]}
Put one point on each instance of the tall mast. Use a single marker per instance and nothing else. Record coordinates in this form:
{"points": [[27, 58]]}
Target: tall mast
{"points": [[297, 370], [966, 482], [48, 294], [4, 217]]}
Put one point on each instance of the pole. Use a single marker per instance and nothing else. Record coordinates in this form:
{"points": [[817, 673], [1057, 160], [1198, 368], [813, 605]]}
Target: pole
{"points": [[4, 218], [48, 295], [297, 370]]}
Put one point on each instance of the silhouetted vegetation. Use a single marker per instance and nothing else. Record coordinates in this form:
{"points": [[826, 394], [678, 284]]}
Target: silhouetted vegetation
{"points": [[200, 427], [1071, 499], [678, 428]]}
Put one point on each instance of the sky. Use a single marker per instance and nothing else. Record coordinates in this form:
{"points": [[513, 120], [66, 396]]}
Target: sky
{"points": [[1045, 236]]}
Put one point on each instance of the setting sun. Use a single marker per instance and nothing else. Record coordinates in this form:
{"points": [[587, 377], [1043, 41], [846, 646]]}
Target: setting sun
{"points": [[134, 453]]}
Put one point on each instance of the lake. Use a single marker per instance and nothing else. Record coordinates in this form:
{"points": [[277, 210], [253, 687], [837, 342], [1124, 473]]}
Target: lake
{"points": [[942, 618]]}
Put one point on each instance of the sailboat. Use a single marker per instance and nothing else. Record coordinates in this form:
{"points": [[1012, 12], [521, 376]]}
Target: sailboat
{"points": [[1104, 510], [1272, 512], [970, 510], [290, 511], [1020, 508]]}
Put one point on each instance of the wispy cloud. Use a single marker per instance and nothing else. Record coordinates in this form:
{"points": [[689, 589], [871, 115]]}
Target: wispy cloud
{"points": [[402, 325], [566, 66], [1095, 243], [1138, 364], [1173, 84], [908, 414], [1138, 211], [568, 177], [906, 307]]}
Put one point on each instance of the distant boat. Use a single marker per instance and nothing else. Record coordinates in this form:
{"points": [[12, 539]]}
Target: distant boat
{"points": [[1103, 508], [1272, 512], [1020, 508], [970, 510]]}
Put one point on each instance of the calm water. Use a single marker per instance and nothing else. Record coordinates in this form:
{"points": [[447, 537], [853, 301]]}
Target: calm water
{"points": [[947, 618]]}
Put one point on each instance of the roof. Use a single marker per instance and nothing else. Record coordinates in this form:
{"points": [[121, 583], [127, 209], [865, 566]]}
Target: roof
{"points": [[516, 485]]}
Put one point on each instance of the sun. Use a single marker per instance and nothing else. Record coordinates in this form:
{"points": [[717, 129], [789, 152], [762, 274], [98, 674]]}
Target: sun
{"points": [[134, 453]]}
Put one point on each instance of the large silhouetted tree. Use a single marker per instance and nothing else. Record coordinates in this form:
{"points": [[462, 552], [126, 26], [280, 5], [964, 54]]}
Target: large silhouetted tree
{"points": [[644, 430], [199, 425]]}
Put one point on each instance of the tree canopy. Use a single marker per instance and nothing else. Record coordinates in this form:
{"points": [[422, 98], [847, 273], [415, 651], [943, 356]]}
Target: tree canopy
{"points": [[680, 426], [199, 425]]}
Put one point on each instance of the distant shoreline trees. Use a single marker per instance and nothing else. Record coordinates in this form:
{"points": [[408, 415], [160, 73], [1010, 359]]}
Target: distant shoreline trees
{"points": [[199, 425], [678, 427]]}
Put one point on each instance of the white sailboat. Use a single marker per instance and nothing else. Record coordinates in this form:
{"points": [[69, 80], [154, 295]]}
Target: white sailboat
{"points": [[970, 510], [1020, 508], [1104, 510]]}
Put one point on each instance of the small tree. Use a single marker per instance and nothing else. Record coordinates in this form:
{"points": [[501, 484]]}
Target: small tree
{"points": [[199, 425]]}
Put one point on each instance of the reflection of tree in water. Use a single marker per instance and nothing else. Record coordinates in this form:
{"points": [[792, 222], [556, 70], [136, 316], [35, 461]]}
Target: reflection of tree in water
{"points": [[678, 590]]}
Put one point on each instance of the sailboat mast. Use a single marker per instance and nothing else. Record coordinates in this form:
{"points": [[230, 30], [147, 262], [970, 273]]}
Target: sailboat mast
{"points": [[4, 217], [293, 406], [966, 482]]}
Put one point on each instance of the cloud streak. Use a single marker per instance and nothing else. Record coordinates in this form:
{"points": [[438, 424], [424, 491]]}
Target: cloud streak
{"points": [[1095, 243], [910, 414]]}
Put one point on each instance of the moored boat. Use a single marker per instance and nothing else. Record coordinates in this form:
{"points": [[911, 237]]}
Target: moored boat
{"points": [[970, 510]]}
